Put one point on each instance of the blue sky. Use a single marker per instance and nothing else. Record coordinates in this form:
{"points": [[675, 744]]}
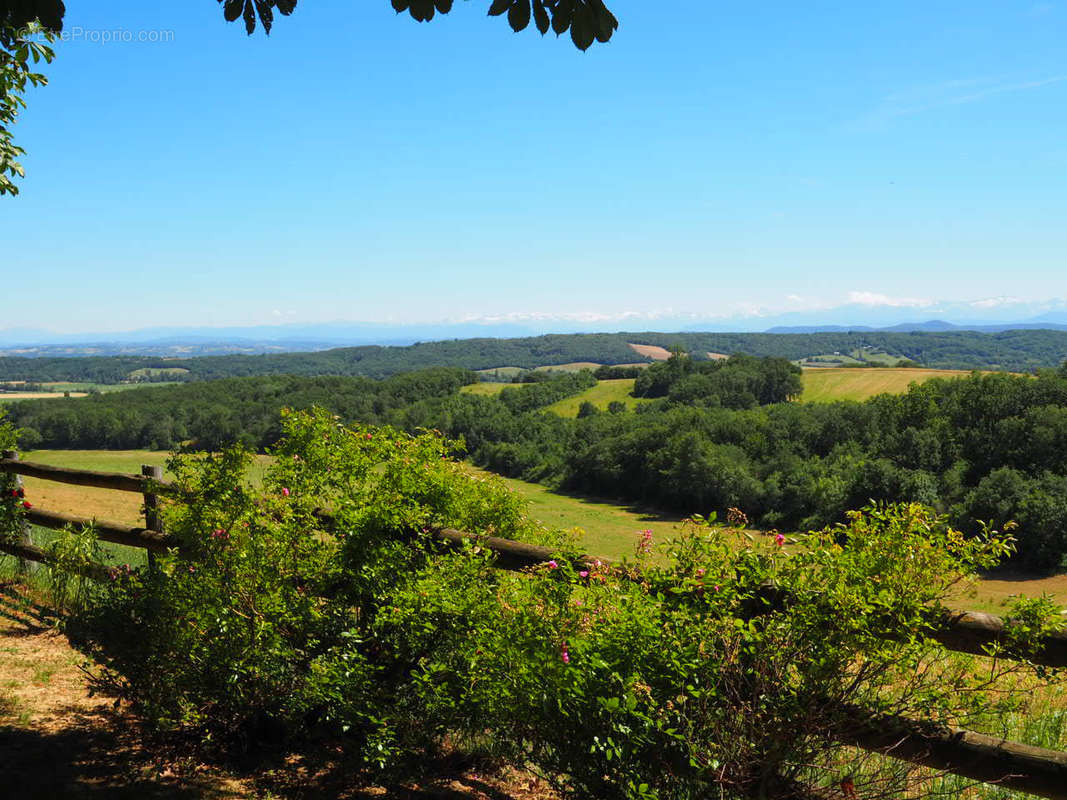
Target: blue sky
{"points": [[714, 158]]}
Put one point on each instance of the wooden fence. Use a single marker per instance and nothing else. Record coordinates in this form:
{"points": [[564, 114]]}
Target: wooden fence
{"points": [[987, 759]]}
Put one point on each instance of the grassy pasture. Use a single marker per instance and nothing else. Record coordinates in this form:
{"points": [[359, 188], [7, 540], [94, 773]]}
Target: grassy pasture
{"points": [[485, 389], [600, 396], [503, 373], [827, 384], [609, 529], [155, 372], [574, 366]]}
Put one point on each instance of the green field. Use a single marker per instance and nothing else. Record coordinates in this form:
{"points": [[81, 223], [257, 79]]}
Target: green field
{"points": [[826, 384], [600, 396], [501, 373], [104, 388], [574, 366], [609, 529], [155, 372], [485, 389], [821, 385], [856, 357]]}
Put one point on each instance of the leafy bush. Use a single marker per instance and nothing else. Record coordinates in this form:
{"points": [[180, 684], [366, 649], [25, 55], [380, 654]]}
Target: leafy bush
{"points": [[268, 623], [692, 682], [12, 499], [683, 677]]}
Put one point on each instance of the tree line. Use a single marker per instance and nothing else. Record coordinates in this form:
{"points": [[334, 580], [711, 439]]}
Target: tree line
{"points": [[212, 414], [982, 448], [1015, 351], [986, 447]]}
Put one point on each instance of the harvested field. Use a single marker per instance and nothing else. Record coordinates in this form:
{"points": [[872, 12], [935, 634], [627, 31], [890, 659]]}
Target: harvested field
{"points": [[10, 397], [650, 351]]}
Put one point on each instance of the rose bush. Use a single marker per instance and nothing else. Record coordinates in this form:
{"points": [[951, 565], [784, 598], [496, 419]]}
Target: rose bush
{"points": [[677, 675]]}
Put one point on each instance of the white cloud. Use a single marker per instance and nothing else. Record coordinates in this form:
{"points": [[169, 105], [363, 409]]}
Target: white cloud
{"points": [[876, 299], [996, 302]]}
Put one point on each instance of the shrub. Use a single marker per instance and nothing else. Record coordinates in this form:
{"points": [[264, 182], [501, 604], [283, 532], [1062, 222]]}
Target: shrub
{"points": [[677, 678], [269, 622], [690, 683]]}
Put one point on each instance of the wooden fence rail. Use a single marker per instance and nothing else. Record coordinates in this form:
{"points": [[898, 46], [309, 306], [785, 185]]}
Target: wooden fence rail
{"points": [[118, 481], [1010, 765]]}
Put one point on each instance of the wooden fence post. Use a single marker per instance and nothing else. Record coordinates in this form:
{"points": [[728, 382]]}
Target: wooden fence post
{"points": [[24, 566], [152, 519]]}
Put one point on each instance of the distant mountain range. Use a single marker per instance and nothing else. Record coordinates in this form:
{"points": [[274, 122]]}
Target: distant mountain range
{"points": [[931, 326], [879, 314]]}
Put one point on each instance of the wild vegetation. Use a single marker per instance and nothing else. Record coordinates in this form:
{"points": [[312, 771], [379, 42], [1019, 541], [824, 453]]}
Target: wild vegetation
{"points": [[213, 414], [668, 687], [983, 447]]}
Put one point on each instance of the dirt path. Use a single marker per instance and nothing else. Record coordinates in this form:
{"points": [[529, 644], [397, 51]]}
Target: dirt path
{"points": [[57, 742]]}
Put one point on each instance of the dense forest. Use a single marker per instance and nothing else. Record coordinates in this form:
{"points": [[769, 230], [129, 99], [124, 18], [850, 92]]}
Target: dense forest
{"points": [[1015, 351], [718, 435], [740, 382], [211, 414], [986, 447]]}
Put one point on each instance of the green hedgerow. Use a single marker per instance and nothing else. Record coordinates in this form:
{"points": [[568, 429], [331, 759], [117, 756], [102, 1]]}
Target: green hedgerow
{"points": [[321, 603]]}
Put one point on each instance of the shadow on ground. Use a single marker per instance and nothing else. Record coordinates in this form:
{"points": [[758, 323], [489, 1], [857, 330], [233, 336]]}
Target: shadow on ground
{"points": [[92, 757], [104, 755]]}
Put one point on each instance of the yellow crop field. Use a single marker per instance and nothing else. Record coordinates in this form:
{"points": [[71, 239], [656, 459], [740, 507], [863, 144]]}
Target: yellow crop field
{"points": [[486, 388], [826, 384]]}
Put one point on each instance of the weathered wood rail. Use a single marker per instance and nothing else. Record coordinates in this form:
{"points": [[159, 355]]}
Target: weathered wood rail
{"points": [[1010, 765]]}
